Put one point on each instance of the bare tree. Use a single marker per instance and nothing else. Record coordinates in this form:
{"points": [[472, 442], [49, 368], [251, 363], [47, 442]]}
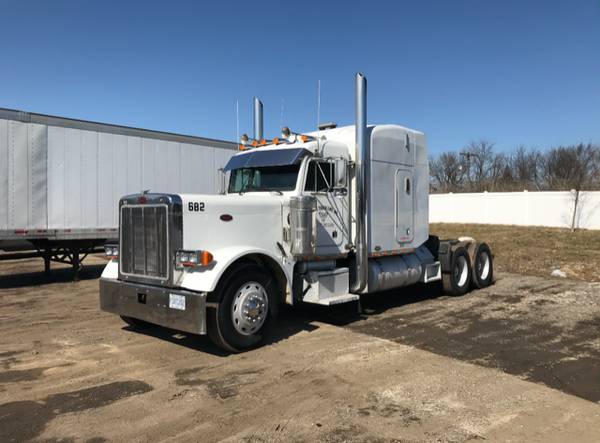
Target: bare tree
{"points": [[484, 167], [447, 172], [496, 171], [572, 168], [478, 168], [526, 168]]}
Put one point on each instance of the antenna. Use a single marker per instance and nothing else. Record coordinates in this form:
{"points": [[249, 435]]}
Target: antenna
{"points": [[237, 121], [318, 103], [281, 116], [318, 114]]}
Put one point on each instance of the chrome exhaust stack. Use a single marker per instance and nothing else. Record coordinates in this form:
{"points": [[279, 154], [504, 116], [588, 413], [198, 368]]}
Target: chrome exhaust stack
{"points": [[258, 119], [362, 163]]}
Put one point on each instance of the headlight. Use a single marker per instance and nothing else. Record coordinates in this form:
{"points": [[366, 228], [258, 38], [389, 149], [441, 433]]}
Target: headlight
{"points": [[111, 251], [191, 259]]}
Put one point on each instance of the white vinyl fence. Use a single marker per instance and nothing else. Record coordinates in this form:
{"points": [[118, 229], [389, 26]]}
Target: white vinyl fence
{"points": [[517, 208]]}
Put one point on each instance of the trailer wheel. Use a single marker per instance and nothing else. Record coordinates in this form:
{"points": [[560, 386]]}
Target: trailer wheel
{"points": [[243, 316], [483, 266], [458, 279], [135, 323]]}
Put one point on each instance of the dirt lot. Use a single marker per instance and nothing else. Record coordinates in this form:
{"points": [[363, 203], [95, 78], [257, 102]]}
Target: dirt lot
{"points": [[518, 361], [534, 250]]}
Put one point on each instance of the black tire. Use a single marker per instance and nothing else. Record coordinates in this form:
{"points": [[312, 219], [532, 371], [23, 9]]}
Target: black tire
{"points": [[135, 323], [220, 320], [458, 280], [483, 266]]}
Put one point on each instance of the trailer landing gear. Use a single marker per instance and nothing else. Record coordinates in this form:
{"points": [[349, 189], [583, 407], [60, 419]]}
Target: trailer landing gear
{"points": [[71, 252]]}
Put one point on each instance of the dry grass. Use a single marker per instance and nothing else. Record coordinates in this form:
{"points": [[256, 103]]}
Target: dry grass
{"points": [[534, 250]]}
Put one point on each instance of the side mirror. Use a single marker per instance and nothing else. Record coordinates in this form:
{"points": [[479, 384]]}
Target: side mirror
{"points": [[341, 173]]}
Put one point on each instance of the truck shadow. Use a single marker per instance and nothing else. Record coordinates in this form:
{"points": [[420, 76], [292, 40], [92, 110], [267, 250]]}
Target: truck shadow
{"points": [[370, 305], [60, 275], [305, 318], [192, 341]]}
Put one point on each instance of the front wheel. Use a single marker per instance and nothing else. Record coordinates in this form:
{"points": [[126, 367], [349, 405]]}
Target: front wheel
{"points": [[243, 316]]}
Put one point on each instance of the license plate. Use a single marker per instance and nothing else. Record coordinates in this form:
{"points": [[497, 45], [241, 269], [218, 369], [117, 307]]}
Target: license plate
{"points": [[177, 302]]}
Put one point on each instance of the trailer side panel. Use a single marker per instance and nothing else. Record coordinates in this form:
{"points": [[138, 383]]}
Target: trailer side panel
{"points": [[62, 179], [4, 175]]}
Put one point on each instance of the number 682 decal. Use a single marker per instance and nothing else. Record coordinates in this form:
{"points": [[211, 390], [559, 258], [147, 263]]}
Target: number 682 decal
{"points": [[196, 206]]}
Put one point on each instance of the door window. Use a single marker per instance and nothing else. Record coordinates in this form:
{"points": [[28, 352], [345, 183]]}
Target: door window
{"points": [[320, 176]]}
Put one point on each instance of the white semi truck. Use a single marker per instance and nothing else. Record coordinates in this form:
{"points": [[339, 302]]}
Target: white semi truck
{"points": [[323, 218]]}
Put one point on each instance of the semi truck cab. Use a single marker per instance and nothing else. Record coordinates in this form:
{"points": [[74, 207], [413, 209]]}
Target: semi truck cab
{"points": [[322, 218]]}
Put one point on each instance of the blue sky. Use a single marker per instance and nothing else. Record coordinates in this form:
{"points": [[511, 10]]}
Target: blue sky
{"points": [[510, 71]]}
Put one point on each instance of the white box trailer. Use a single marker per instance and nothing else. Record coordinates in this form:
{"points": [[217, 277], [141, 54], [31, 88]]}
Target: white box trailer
{"points": [[61, 179]]}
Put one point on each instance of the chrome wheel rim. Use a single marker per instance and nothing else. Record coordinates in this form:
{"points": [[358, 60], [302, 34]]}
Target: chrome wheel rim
{"points": [[461, 271], [483, 265], [249, 308]]}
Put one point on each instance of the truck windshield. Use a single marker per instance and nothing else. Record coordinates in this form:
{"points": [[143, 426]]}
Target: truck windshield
{"points": [[266, 178]]}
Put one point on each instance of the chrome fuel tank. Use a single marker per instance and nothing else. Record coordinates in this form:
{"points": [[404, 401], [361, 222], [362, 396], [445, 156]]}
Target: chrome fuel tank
{"points": [[397, 271]]}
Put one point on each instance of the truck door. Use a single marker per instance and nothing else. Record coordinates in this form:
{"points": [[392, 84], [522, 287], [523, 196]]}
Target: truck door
{"points": [[332, 207], [404, 206]]}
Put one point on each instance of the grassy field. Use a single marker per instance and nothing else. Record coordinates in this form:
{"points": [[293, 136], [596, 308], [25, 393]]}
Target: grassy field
{"points": [[534, 250]]}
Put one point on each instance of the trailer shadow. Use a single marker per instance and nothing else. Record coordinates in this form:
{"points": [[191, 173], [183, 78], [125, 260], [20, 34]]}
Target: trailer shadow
{"points": [[58, 275]]}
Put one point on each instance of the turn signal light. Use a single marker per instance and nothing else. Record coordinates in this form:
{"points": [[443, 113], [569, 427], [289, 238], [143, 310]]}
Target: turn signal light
{"points": [[206, 258]]}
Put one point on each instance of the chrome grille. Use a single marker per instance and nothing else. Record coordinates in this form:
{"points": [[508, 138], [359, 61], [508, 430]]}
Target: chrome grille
{"points": [[144, 241]]}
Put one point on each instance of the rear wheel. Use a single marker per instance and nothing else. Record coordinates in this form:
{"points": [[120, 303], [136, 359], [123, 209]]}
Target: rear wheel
{"points": [[483, 266], [243, 316], [458, 279]]}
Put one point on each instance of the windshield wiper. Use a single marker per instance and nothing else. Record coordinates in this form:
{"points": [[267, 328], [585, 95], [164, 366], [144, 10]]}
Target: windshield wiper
{"points": [[268, 190]]}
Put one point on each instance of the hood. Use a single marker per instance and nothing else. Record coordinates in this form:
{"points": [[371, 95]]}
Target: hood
{"points": [[213, 222]]}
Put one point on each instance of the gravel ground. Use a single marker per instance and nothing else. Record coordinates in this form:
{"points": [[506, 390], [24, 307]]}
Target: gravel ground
{"points": [[517, 361]]}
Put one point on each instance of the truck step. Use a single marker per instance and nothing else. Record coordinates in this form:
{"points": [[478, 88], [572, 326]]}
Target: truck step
{"points": [[335, 300]]}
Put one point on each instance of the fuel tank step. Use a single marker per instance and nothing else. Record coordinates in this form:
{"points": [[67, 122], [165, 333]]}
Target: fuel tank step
{"points": [[335, 300]]}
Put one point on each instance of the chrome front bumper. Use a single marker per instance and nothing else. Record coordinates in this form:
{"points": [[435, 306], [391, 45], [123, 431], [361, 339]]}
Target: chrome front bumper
{"points": [[172, 308]]}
